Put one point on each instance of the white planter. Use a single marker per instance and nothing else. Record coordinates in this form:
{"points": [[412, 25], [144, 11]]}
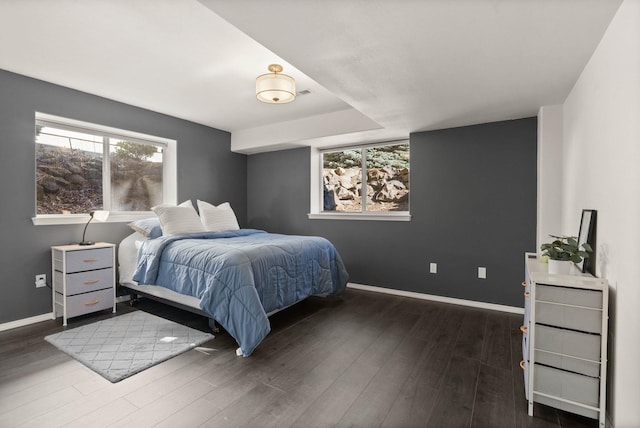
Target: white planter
{"points": [[560, 267]]}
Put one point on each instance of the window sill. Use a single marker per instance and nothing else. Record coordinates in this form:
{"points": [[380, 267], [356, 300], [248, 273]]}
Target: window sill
{"points": [[56, 219], [361, 216]]}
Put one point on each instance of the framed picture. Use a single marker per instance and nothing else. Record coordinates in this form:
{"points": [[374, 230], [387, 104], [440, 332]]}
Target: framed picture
{"points": [[587, 235]]}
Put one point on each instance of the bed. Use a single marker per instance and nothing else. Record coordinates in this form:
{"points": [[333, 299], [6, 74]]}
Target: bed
{"points": [[235, 277]]}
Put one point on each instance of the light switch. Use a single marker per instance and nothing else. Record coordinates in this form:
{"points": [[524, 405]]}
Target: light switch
{"points": [[433, 268]]}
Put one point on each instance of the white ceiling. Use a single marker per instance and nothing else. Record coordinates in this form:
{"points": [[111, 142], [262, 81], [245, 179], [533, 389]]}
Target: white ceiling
{"points": [[376, 69]]}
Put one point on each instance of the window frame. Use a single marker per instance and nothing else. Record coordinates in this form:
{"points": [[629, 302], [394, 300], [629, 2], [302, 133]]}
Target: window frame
{"points": [[317, 198], [169, 168]]}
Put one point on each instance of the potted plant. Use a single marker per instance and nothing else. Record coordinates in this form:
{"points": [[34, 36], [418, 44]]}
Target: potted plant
{"points": [[562, 251]]}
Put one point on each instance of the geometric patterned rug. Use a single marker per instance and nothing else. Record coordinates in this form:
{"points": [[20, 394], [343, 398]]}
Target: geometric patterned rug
{"points": [[119, 347]]}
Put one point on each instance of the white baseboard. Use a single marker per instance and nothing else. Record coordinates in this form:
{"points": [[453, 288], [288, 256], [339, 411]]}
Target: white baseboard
{"points": [[432, 297], [491, 306], [26, 321], [44, 317]]}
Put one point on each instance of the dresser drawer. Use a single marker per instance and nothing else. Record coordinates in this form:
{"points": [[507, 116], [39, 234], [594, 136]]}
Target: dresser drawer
{"points": [[569, 296], [566, 385], [568, 342], [568, 350], [84, 282], [564, 362], [582, 319], [85, 303], [83, 260]]}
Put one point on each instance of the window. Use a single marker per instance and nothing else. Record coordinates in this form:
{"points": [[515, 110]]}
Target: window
{"points": [[384, 170], [82, 167]]}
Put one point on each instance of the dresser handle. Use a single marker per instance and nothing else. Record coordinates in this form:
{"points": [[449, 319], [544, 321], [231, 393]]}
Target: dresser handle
{"points": [[523, 328], [522, 365], [90, 260], [526, 294], [524, 283], [95, 302], [91, 281]]}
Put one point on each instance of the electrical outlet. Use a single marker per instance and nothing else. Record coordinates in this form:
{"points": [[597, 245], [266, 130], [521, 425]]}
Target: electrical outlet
{"points": [[433, 267], [41, 280], [482, 272]]}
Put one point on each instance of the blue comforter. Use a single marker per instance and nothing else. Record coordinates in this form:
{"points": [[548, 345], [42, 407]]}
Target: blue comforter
{"points": [[241, 275]]}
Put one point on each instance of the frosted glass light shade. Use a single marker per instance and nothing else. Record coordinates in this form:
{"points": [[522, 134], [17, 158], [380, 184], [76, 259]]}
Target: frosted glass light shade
{"points": [[274, 87], [101, 215]]}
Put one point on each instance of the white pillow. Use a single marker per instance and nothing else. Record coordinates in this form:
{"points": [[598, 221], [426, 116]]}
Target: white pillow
{"points": [[218, 218], [180, 219]]}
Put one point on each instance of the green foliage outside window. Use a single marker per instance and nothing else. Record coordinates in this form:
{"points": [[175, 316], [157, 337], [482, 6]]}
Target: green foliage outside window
{"points": [[377, 157]]}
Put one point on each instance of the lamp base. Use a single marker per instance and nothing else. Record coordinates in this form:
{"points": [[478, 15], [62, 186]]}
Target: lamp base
{"points": [[86, 243]]}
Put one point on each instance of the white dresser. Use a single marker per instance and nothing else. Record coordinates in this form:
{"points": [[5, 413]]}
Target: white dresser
{"points": [[564, 340], [83, 279]]}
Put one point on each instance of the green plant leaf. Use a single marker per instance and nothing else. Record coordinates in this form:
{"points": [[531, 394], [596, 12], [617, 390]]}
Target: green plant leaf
{"points": [[564, 248]]}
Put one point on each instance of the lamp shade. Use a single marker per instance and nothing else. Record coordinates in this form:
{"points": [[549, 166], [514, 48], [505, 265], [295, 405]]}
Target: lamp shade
{"points": [[101, 215], [275, 87]]}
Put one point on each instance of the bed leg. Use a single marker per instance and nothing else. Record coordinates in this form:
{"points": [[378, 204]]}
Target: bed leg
{"points": [[213, 326], [133, 299]]}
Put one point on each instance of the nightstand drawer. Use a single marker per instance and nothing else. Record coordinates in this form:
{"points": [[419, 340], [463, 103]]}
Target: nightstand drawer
{"points": [[84, 282], [83, 260], [85, 303]]}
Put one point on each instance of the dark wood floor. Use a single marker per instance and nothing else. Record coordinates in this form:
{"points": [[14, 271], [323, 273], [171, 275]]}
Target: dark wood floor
{"points": [[361, 360]]}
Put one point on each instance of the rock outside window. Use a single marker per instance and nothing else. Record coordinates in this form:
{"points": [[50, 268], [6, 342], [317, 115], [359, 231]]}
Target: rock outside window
{"points": [[384, 168], [79, 170]]}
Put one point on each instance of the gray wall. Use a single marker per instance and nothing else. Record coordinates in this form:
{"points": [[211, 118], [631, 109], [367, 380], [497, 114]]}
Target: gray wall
{"points": [[473, 203], [207, 170]]}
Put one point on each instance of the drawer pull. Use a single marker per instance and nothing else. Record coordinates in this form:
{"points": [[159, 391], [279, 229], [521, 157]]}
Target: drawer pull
{"points": [[90, 260], [523, 328], [522, 365], [526, 294], [91, 281], [524, 283], [95, 302]]}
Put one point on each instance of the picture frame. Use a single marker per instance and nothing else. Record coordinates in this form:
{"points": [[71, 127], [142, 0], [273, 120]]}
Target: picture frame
{"points": [[587, 234]]}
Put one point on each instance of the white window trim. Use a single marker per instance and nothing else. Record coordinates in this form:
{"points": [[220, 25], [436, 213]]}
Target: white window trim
{"points": [[316, 213], [170, 173], [114, 217], [395, 216]]}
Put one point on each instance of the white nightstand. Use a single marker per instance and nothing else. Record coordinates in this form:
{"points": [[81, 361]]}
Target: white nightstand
{"points": [[83, 279]]}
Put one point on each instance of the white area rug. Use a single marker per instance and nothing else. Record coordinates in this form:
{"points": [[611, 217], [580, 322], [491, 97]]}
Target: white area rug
{"points": [[119, 347]]}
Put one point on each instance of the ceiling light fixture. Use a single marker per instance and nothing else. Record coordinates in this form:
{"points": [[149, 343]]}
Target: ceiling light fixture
{"points": [[274, 87]]}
